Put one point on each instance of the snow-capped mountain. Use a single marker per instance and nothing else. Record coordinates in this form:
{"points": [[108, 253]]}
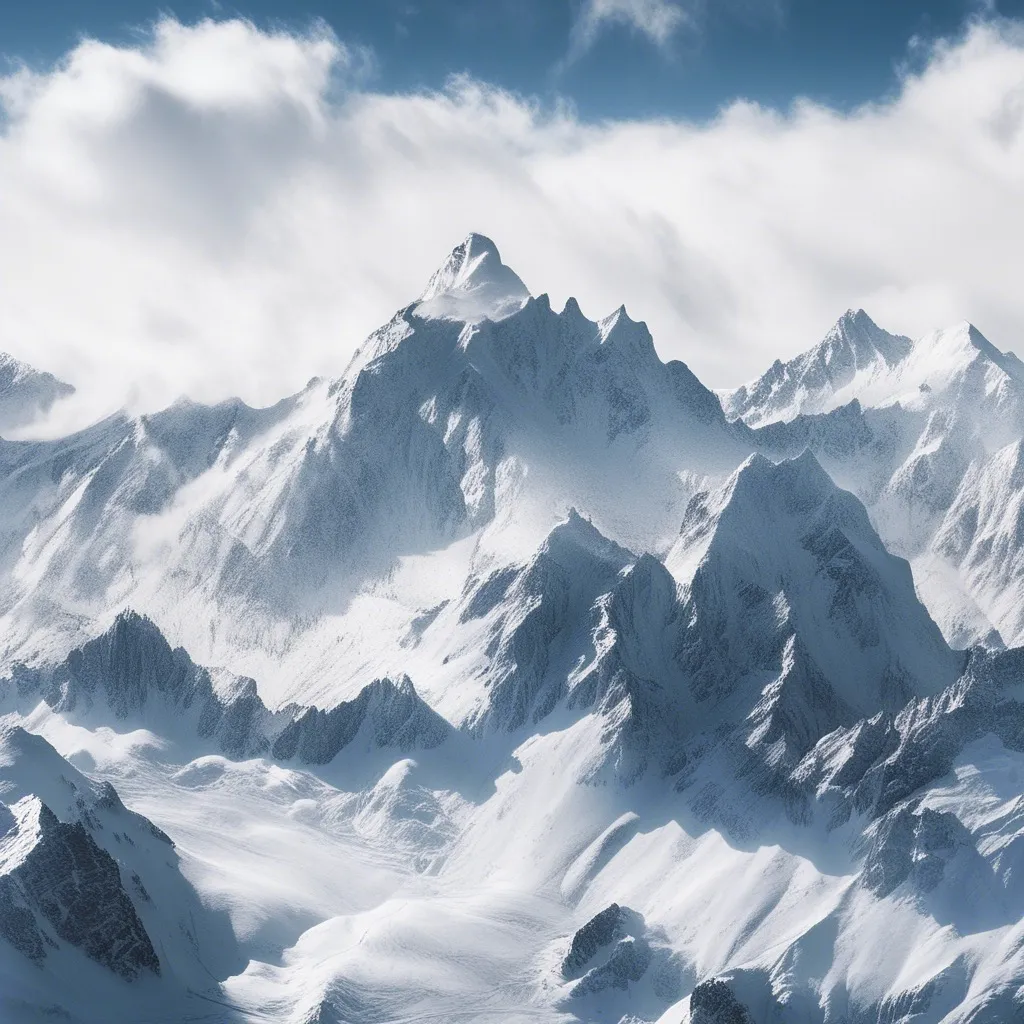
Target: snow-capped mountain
{"points": [[516, 675], [920, 431], [237, 528], [26, 393], [855, 354]]}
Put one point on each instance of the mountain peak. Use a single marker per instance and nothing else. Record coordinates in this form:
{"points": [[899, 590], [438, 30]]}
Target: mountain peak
{"points": [[973, 337], [618, 330], [575, 535], [797, 555], [855, 320], [803, 469], [572, 307], [854, 350], [857, 317], [865, 340], [472, 284], [952, 348], [618, 320], [792, 486], [761, 499]]}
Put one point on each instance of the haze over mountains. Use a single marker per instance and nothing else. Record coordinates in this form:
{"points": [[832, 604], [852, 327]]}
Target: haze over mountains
{"points": [[516, 675]]}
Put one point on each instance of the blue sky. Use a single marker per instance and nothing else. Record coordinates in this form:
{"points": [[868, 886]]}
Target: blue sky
{"points": [[838, 53]]}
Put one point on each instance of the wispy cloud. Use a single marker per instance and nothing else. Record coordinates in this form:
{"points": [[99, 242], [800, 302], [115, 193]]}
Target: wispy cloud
{"points": [[658, 20], [221, 210], [661, 21]]}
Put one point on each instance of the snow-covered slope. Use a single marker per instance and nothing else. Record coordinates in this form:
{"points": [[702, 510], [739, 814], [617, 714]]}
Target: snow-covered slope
{"points": [[513, 676]]}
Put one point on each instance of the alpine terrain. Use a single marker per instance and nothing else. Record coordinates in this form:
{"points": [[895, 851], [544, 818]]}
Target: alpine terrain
{"points": [[516, 676]]}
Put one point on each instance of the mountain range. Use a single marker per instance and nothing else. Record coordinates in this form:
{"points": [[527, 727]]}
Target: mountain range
{"points": [[516, 675]]}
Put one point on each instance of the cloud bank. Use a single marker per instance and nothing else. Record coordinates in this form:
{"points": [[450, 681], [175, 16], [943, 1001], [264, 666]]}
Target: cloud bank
{"points": [[221, 211]]}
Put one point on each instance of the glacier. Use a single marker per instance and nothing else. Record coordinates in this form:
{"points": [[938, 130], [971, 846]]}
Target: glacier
{"points": [[515, 675]]}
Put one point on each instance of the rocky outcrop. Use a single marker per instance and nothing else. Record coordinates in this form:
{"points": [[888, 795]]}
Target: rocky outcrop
{"points": [[713, 1002], [615, 951], [389, 714], [600, 931], [544, 616], [627, 963], [916, 845], [58, 885], [131, 674]]}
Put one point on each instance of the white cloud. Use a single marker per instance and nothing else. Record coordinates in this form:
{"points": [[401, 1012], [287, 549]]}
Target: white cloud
{"points": [[659, 20], [225, 211]]}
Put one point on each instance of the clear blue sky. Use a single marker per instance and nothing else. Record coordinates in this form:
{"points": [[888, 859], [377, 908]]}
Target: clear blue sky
{"points": [[842, 53]]}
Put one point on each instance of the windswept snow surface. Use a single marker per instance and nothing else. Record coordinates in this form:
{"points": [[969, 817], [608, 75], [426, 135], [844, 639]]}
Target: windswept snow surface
{"points": [[516, 676]]}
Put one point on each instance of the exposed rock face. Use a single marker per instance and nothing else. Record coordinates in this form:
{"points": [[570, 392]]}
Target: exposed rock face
{"points": [[713, 1002], [601, 930], [780, 550], [57, 871], [635, 678], [392, 714], [879, 762], [547, 612], [82, 875], [130, 673], [17, 920], [627, 963], [916, 846]]}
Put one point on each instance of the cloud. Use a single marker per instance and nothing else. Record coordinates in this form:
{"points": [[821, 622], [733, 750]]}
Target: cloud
{"points": [[659, 20], [220, 210]]}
